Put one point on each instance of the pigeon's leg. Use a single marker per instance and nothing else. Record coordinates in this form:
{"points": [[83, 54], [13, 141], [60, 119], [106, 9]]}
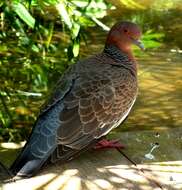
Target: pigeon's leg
{"points": [[104, 143]]}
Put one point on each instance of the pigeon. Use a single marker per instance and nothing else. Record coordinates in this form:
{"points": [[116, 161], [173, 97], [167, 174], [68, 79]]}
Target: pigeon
{"points": [[92, 97]]}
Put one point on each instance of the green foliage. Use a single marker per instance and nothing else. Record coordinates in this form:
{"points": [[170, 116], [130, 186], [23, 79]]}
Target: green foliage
{"points": [[152, 40], [23, 13], [34, 36]]}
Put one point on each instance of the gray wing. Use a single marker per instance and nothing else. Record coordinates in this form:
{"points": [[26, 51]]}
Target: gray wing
{"points": [[87, 112], [95, 104], [43, 139]]}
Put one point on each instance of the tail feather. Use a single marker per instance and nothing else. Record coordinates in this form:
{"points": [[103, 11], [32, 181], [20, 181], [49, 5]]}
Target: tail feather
{"points": [[40, 145], [27, 165]]}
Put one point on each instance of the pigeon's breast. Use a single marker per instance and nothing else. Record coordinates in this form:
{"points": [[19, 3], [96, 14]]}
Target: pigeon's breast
{"points": [[125, 85]]}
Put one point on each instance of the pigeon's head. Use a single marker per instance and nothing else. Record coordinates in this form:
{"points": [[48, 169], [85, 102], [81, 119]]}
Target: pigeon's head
{"points": [[123, 35]]}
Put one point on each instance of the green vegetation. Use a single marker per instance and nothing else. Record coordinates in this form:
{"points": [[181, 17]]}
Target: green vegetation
{"points": [[37, 40], [40, 38]]}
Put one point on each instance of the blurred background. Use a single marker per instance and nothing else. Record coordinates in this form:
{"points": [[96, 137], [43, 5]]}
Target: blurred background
{"points": [[39, 39]]}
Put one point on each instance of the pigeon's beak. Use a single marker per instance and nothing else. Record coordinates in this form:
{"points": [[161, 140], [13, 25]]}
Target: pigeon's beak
{"points": [[139, 44]]}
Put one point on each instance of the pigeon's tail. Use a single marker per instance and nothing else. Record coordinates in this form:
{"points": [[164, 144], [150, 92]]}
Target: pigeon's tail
{"points": [[40, 145], [26, 165], [31, 158], [34, 155]]}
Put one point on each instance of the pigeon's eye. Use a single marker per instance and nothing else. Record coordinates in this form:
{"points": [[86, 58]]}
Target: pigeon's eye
{"points": [[126, 31]]}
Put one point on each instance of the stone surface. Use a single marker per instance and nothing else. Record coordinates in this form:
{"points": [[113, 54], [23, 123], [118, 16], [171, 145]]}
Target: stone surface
{"points": [[108, 169]]}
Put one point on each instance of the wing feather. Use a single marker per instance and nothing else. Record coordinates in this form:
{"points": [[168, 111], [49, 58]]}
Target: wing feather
{"points": [[86, 111]]}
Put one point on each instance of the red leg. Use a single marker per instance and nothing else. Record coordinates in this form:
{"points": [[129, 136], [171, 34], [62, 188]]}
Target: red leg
{"points": [[108, 144]]}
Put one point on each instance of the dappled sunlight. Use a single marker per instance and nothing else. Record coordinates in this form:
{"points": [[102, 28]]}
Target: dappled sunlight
{"points": [[9, 151], [108, 169], [160, 91], [170, 172], [36, 182], [66, 180], [10, 145], [110, 177]]}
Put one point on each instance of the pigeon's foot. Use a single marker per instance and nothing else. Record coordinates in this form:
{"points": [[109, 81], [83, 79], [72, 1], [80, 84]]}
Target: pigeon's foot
{"points": [[102, 144]]}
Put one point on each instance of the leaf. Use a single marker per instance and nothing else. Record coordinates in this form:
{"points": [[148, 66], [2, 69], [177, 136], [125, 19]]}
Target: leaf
{"points": [[50, 34], [75, 30], [148, 36], [61, 7], [3, 48], [80, 3], [152, 44], [86, 21], [50, 2], [23, 13], [102, 25], [35, 48], [96, 9], [133, 4], [76, 47]]}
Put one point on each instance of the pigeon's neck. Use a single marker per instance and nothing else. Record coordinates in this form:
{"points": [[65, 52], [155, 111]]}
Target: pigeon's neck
{"points": [[117, 54], [121, 58]]}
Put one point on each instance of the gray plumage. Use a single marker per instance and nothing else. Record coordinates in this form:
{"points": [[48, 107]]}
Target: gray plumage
{"points": [[93, 97]]}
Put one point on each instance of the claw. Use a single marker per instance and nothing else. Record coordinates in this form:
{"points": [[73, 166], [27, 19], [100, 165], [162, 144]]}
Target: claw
{"points": [[108, 144]]}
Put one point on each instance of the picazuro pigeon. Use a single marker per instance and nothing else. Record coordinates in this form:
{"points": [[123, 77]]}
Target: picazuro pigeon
{"points": [[94, 96]]}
